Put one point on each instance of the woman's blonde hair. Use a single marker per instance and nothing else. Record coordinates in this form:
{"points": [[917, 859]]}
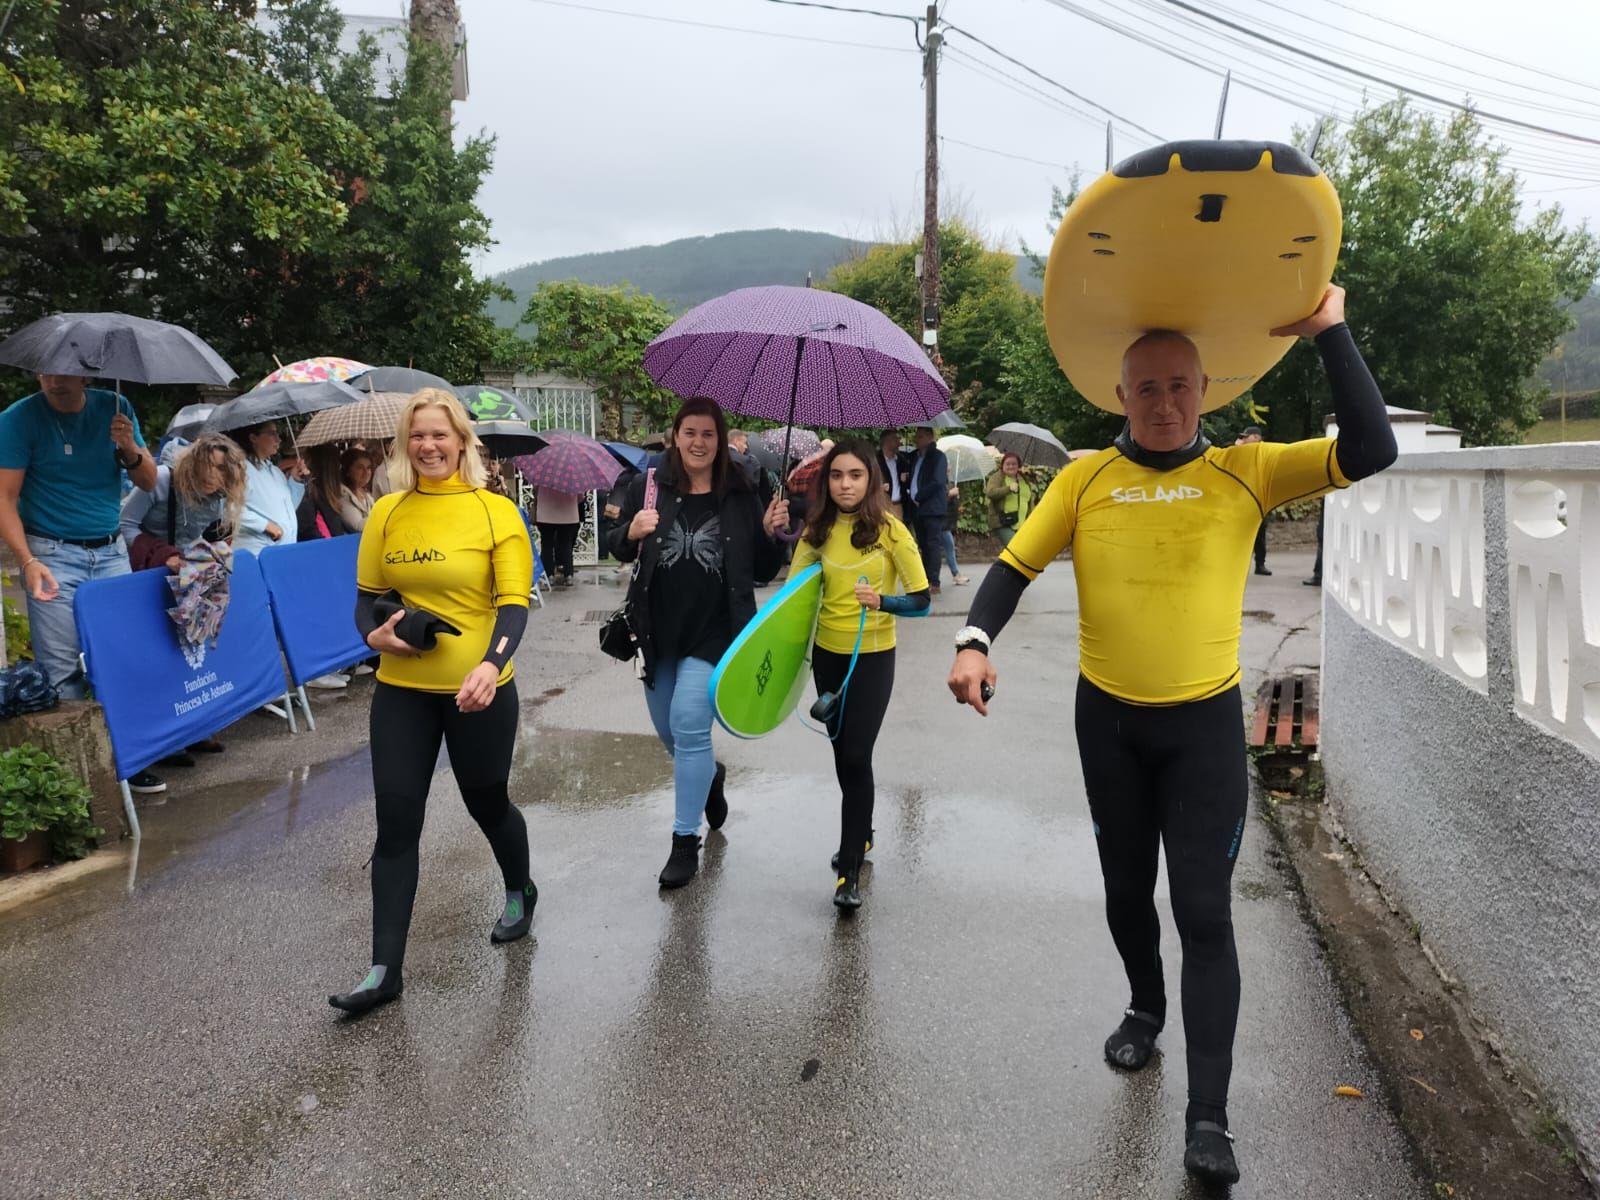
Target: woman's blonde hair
{"points": [[191, 466], [402, 475]]}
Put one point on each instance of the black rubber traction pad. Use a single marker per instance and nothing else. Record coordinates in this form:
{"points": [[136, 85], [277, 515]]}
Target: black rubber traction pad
{"points": [[1215, 156]]}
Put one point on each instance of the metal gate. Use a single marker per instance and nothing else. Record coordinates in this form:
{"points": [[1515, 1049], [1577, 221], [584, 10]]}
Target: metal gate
{"points": [[566, 404]]}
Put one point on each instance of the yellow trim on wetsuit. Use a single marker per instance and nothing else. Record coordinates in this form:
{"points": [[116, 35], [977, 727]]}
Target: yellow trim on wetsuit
{"points": [[458, 552], [1161, 557], [892, 562]]}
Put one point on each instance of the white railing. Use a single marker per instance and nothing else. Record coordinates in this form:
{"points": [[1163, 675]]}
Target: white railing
{"points": [[1469, 558]]}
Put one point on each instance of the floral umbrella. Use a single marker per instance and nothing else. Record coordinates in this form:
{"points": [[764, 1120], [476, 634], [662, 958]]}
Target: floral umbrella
{"points": [[316, 370]]}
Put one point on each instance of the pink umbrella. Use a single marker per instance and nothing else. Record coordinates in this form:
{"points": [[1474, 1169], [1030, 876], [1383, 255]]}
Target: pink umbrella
{"points": [[573, 464]]}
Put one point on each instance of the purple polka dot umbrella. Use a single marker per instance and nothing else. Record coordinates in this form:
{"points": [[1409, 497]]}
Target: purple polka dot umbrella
{"points": [[799, 355], [570, 463]]}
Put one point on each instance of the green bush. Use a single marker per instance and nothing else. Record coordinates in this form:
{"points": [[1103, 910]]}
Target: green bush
{"points": [[38, 794]]}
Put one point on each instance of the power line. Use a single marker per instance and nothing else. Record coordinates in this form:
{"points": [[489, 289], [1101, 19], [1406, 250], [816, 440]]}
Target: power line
{"points": [[1011, 83], [1367, 75], [866, 12], [944, 137], [1462, 46], [995, 50], [773, 33]]}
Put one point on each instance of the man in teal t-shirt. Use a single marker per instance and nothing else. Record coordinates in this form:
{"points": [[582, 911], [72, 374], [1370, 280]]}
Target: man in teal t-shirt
{"points": [[63, 451]]}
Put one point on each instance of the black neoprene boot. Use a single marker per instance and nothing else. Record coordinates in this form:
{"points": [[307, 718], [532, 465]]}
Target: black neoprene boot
{"points": [[847, 889], [683, 862], [1133, 1042], [365, 998], [1208, 1153], [522, 920], [834, 861], [717, 800]]}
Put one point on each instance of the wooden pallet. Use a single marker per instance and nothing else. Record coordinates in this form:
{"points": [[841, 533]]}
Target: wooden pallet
{"points": [[1286, 713]]}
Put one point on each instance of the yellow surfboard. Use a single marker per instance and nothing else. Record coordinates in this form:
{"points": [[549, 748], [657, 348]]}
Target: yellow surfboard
{"points": [[1221, 241]]}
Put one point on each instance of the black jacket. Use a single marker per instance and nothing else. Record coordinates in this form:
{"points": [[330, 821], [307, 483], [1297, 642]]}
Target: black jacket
{"points": [[749, 556], [933, 482]]}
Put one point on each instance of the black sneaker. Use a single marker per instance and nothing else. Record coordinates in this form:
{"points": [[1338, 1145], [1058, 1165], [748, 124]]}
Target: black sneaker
{"points": [[717, 800], [365, 999], [146, 784], [834, 861], [504, 931], [1208, 1154], [1314, 582], [683, 862], [847, 891], [1262, 570]]}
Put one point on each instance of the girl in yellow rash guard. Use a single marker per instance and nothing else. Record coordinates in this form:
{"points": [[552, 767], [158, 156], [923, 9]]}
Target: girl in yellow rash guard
{"points": [[866, 554], [459, 558]]}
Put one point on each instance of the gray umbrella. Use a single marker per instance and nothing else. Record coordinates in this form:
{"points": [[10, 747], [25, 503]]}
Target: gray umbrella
{"points": [[946, 420], [189, 420], [112, 345], [399, 379], [1036, 447], [273, 400]]}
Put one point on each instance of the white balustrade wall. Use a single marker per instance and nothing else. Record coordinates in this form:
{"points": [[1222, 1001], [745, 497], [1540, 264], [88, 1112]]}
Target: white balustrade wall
{"points": [[1461, 733]]}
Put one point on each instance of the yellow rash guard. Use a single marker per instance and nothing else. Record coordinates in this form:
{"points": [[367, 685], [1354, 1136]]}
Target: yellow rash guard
{"points": [[457, 551], [1161, 557], [890, 564]]}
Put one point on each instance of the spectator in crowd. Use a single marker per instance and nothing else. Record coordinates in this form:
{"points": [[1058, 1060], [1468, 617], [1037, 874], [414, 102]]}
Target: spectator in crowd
{"points": [[556, 514], [1010, 499], [896, 471], [319, 513], [952, 521], [63, 452], [269, 503], [926, 491], [199, 497], [355, 496]]}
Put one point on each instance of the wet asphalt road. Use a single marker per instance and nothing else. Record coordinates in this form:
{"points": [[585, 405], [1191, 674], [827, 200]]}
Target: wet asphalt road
{"points": [[731, 1039]]}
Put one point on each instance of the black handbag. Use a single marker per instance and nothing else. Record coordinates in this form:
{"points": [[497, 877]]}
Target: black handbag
{"points": [[617, 636], [1007, 520]]}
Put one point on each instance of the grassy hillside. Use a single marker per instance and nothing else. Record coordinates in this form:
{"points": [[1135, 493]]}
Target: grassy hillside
{"points": [[683, 273], [1575, 366]]}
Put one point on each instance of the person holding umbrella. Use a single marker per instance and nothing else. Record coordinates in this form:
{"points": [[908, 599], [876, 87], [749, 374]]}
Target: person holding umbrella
{"points": [[556, 514], [453, 562], [702, 543], [63, 452], [1160, 524]]}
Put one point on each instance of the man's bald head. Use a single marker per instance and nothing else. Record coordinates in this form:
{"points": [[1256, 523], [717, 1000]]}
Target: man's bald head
{"points": [[1169, 339], [1161, 390]]}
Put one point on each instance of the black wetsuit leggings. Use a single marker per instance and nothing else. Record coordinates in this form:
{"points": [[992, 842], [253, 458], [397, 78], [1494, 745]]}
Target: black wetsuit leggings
{"points": [[406, 728], [865, 703], [1172, 775]]}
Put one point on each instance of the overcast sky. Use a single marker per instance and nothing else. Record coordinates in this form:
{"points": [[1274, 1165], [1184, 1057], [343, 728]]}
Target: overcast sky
{"points": [[615, 130]]}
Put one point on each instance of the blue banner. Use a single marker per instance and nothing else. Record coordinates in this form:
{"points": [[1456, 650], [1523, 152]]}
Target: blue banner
{"points": [[313, 590], [158, 696]]}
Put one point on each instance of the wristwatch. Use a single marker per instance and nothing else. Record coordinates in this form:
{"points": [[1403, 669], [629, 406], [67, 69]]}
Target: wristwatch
{"points": [[970, 637], [128, 466]]}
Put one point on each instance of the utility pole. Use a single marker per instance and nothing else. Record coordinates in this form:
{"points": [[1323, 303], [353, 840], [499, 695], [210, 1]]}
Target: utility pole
{"points": [[930, 184]]}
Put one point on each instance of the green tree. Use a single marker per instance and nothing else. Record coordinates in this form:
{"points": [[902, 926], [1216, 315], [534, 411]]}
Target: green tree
{"points": [[1456, 295], [1039, 391], [173, 158], [599, 334], [980, 306]]}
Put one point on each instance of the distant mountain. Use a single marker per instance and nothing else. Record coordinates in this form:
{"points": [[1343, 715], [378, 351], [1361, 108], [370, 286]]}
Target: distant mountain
{"points": [[683, 273]]}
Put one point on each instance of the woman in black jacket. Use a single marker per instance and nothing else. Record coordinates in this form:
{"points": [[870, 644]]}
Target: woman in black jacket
{"points": [[702, 546]]}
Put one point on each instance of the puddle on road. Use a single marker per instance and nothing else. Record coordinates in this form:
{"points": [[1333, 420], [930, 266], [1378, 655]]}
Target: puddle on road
{"points": [[577, 769]]}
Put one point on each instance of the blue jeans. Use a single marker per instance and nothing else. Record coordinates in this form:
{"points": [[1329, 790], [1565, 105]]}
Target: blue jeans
{"points": [[950, 553], [53, 629], [680, 709]]}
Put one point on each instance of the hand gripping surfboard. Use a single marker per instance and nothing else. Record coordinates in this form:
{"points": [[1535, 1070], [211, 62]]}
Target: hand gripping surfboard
{"points": [[1222, 241], [758, 682]]}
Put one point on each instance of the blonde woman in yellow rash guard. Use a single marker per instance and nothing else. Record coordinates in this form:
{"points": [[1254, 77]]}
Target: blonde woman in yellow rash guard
{"points": [[459, 560], [867, 554]]}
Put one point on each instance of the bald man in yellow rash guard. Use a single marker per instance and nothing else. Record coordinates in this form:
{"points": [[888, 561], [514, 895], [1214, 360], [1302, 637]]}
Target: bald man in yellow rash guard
{"points": [[1161, 526]]}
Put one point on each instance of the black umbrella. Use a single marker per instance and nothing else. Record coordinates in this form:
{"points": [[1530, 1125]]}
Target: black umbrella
{"points": [[273, 400], [486, 403], [504, 439], [399, 379], [112, 345]]}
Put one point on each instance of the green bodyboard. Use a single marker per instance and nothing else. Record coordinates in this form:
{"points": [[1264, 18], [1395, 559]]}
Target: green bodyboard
{"points": [[759, 680]]}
